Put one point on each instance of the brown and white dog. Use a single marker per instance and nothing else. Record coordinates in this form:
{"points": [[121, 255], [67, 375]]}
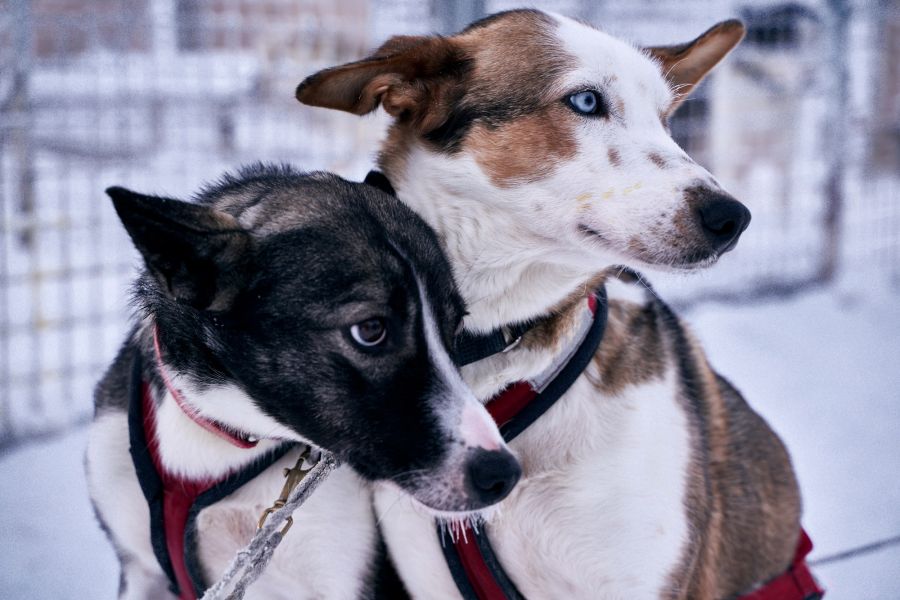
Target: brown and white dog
{"points": [[537, 147]]}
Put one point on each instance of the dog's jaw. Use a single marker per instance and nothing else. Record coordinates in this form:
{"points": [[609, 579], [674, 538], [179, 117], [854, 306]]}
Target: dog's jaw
{"points": [[505, 271], [187, 450]]}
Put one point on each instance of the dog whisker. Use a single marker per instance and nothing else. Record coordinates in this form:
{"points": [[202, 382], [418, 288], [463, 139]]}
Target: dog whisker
{"points": [[381, 517]]}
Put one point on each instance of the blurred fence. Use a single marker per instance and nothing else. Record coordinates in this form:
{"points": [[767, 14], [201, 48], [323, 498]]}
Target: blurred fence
{"points": [[802, 123]]}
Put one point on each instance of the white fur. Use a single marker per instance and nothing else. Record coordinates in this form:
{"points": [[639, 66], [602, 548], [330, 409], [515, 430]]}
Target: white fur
{"points": [[328, 552], [113, 485], [599, 512], [604, 517], [466, 418], [192, 452], [629, 199]]}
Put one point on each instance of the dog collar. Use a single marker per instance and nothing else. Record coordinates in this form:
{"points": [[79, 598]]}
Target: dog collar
{"points": [[469, 556], [472, 347], [229, 434]]}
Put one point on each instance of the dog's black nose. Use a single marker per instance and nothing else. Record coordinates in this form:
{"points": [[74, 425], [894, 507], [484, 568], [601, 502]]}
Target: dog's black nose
{"points": [[491, 475], [724, 219]]}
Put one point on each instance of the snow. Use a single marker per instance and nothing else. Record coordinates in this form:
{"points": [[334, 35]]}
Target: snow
{"points": [[823, 370], [821, 367], [53, 547]]}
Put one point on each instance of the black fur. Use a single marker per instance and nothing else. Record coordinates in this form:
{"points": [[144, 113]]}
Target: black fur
{"points": [[257, 284]]}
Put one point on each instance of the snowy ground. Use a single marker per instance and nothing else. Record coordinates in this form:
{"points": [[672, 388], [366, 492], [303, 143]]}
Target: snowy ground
{"points": [[822, 368]]}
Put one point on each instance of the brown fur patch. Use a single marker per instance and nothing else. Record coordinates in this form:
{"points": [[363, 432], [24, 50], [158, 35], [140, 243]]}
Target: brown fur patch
{"points": [[657, 159], [395, 151], [685, 65], [415, 78], [550, 332], [525, 149], [632, 351], [615, 159], [512, 62], [742, 500], [494, 105]]}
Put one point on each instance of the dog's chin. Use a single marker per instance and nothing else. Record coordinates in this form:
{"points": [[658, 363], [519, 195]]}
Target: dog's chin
{"points": [[661, 260], [451, 517], [681, 265], [455, 512]]}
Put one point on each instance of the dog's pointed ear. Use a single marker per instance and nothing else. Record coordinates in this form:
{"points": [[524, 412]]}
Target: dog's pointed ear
{"points": [[197, 254], [685, 65], [412, 77]]}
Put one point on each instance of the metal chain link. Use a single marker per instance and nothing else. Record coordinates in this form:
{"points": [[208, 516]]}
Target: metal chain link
{"points": [[251, 561]]}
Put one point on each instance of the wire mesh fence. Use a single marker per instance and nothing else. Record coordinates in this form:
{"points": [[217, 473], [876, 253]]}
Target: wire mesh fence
{"points": [[802, 123]]}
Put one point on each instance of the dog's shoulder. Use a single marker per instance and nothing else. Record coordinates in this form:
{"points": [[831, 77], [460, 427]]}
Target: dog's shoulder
{"points": [[759, 495], [636, 346], [112, 391]]}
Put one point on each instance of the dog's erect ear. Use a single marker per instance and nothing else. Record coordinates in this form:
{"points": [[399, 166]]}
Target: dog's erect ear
{"points": [[198, 254], [685, 65], [415, 78]]}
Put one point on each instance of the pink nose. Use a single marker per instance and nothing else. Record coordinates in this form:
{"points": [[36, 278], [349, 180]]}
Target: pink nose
{"points": [[477, 429]]}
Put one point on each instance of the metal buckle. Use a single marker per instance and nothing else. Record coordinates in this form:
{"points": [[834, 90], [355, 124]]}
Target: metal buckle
{"points": [[509, 344], [294, 476]]}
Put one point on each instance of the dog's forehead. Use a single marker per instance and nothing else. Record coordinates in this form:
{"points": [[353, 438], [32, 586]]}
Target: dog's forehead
{"points": [[546, 54], [516, 47], [620, 65]]}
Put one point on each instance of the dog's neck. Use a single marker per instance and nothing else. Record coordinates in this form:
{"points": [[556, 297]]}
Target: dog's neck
{"points": [[185, 447], [505, 271]]}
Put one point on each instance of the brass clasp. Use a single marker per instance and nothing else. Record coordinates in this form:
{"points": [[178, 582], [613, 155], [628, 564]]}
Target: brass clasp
{"points": [[294, 476]]}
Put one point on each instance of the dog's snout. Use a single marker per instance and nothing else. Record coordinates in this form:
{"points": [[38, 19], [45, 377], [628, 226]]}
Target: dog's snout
{"points": [[723, 219], [491, 475]]}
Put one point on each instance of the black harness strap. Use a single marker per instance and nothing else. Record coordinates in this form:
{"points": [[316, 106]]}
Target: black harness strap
{"points": [[152, 487], [471, 347], [379, 180], [528, 415], [566, 377], [151, 484]]}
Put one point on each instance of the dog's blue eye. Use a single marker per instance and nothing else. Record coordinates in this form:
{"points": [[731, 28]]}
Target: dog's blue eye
{"points": [[370, 332], [587, 102]]}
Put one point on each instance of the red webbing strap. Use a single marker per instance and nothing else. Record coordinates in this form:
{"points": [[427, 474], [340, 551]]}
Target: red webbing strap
{"points": [[510, 402], [797, 583], [479, 575], [481, 579], [178, 496]]}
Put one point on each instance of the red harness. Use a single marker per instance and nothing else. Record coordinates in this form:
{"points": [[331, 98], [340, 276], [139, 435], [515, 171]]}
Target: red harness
{"points": [[476, 569], [174, 501], [795, 583], [178, 496], [179, 493]]}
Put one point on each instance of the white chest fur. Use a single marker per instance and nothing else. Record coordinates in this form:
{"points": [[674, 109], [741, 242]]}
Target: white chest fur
{"points": [[599, 512], [328, 551], [327, 554]]}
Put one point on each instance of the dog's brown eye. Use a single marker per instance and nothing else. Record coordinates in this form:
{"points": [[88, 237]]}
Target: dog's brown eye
{"points": [[370, 332]]}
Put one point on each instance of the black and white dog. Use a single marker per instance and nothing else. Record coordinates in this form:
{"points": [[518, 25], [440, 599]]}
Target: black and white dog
{"points": [[277, 310]]}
